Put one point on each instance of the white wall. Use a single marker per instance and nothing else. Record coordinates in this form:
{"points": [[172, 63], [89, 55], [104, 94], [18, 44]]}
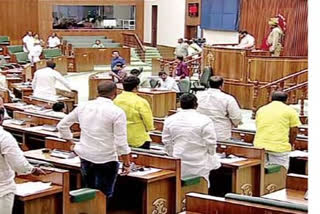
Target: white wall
{"points": [[220, 37], [171, 21]]}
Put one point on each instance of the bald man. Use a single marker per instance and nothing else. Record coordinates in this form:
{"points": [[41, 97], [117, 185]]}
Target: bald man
{"points": [[103, 137]]}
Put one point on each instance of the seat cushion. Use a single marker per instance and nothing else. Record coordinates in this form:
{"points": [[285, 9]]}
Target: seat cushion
{"points": [[84, 194], [272, 168], [190, 181]]}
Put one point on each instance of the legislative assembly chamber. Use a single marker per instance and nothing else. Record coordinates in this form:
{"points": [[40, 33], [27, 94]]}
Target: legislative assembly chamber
{"points": [[154, 107]]}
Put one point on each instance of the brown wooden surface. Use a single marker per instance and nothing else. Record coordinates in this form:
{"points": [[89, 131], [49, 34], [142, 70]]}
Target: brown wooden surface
{"points": [[288, 195], [240, 71], [86, 58], [255, 15], [297, 182], [193, 21], [94, 80], [209, 204]]}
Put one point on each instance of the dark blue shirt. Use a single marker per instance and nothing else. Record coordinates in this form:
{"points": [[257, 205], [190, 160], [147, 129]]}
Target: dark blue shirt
{"points": [[115, 61]]}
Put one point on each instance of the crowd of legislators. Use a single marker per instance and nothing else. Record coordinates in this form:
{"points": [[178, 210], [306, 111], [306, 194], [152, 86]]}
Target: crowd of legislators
{"points": [[113, 123]]}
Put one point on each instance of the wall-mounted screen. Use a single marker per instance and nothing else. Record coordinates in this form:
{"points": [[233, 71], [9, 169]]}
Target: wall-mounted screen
{"points": [[121, 17]]}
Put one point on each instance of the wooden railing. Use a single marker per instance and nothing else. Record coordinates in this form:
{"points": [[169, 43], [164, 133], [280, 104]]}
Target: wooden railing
{"points": [[281, 85], [132, 40], [193, 62]]}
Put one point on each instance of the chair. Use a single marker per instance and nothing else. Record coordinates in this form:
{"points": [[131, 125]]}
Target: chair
{"points": [[204, 80], [51, 53], [12, 49], [4, 40], [22, 57], [184, 86], [154, 83]]}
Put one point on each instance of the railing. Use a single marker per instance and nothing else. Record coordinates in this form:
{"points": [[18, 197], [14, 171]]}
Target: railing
{"points": [[193, 62], [281, 85], [132, 40]]}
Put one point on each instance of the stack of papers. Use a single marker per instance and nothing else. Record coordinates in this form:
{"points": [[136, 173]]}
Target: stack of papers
{"points": [[30, 188], [145, 172], [298, 153]]}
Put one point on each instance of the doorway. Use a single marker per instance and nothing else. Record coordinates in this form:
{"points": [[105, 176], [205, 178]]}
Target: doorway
{"points": [[154, 25]]}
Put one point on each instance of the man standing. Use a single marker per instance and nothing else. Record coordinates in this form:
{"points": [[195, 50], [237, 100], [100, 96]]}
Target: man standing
{"points": [[11, 161], [182, 70], [277, 128], [247, 41], [275, 37], [35, 52], [138, 112], [117, 60], [190, 136], [103, 138], [181, 49], [28, 41], [44, 82], [167, 82], [222, 108]]}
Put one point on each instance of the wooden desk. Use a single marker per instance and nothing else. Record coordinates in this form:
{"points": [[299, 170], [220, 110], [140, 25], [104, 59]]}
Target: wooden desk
{"points": [[205, 204], [20, 90], [152, 191], [94, 80], [288, 195], [61, 64], [240, 69], [86, 58], [160, 101]]}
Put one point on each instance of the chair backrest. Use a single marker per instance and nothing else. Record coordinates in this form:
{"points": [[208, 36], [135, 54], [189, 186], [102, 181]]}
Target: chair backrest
{"points": [[22, 57], [205, 76], [4, 39], [52, 53], [184, 86], [153, 83], [15, 49]]}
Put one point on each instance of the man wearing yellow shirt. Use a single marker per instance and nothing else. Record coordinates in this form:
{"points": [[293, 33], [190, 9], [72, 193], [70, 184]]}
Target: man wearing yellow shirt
{"points": [[138, 112], [277, 128]]}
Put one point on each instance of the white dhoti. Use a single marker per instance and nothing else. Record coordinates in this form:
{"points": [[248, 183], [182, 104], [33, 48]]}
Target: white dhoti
{"points": [[6, 203], [282, 159]]}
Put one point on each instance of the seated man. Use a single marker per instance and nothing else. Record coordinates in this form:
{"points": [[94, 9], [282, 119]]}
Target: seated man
{"points": [[98, 44], [138, 112], [59, 108], [277, 128], [44, 82], [182, 70], [247, 41], [53, 41], [119, 73], [190, 136], [167, 82], [222, 108]]}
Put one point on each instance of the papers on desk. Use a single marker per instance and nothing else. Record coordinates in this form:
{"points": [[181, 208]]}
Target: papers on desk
{"points": [[298, 153], [145, 171], [230, 159], [30, 188], [75, 160]]}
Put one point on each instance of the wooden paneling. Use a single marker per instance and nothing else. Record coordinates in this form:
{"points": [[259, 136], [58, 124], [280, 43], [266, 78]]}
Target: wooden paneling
{"points": [[86, 58], [45, 18], [256, 13], [17, 17], [193, 21]]}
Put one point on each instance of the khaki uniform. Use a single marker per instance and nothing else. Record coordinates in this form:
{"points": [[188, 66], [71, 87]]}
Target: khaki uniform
{"points": [[275, 39]]}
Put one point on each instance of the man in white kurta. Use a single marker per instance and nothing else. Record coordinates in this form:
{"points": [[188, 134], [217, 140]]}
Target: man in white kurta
{"points": [[247, 40], [190, 136], [11, 161], [44, 82], [53, 41], [28, 41], [35, 52], [167, 82], [222, 108]]}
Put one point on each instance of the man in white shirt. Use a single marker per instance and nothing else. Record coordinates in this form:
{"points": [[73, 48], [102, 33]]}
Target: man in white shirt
{"points": [[44, 82], [53, 41], [222, 108], [28, 41], [35, 52], [247, 41], [167, 82], [193, 48], [11, 161], [190, 136], [103, 138], [181, 49]]}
